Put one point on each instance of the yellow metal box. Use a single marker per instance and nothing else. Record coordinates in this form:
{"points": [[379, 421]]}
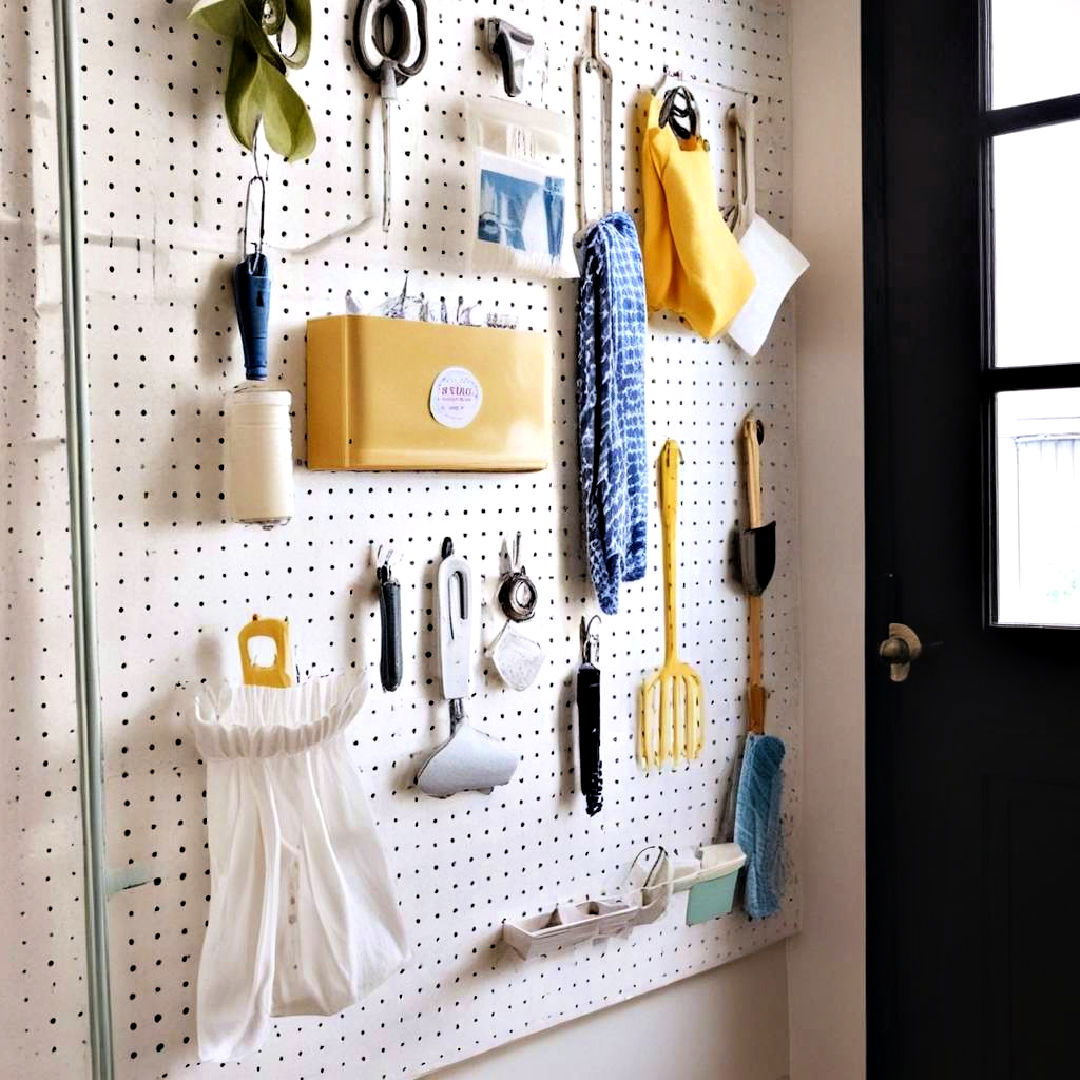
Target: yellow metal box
{"points": [[393, 394]]}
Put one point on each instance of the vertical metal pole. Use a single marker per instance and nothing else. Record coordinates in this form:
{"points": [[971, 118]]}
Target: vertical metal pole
{"points": [[77, 415]]}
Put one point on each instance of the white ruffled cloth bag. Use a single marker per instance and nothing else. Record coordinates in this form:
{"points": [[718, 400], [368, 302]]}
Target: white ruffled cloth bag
{"points": [[303, 919]]}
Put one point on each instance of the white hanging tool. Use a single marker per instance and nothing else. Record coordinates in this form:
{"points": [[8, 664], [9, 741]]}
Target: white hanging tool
{"points": [[390, 44], [454, 604], [469, 760]]}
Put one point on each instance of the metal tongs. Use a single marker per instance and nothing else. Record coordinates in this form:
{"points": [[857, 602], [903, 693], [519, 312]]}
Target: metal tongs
{"points": [[593, 67]]}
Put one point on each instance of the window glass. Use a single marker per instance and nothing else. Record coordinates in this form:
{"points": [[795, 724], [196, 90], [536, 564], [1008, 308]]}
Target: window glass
{"points": [[1036, 244], [1038, 507], [1034, 46]]}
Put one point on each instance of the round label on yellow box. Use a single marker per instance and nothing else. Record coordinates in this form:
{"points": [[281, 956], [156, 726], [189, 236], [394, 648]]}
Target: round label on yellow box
{"points": [[456, 397]]}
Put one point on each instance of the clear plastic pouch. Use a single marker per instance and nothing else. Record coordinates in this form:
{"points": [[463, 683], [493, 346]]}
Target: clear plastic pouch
{"points": [[521, 205]]}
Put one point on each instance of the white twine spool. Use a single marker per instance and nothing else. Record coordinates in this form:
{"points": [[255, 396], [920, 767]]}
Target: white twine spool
{"points": [[258, 456]]}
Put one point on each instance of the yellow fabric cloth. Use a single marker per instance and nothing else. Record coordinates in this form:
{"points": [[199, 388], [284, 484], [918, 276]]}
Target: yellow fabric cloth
{"points": [[693, 265]]}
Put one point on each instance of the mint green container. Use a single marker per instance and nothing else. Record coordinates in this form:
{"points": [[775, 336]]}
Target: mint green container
{"points": [[713, 892]]}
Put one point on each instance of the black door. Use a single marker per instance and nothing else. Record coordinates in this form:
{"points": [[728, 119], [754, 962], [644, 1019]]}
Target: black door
{"points": [[972, 215]]}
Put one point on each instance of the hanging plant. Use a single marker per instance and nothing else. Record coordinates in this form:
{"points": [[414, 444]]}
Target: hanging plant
{"points": [[257, 87]]}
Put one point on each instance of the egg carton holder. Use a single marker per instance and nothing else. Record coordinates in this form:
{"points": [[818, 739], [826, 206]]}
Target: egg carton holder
{"points": [[644, 899]]}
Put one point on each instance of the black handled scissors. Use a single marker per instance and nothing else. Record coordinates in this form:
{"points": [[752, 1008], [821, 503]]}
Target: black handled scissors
{"points": [[389, 41]]}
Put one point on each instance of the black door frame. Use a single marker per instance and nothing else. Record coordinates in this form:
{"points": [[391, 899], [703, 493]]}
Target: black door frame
{"points": [[955, 64], [878, 454]]}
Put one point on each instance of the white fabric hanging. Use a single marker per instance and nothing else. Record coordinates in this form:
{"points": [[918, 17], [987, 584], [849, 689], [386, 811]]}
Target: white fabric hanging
{"points": [[303, 920], [777, 263]]}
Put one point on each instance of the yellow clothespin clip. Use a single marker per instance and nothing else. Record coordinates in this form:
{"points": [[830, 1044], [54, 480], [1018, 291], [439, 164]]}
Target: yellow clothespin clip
{"points": [[276, 675]]}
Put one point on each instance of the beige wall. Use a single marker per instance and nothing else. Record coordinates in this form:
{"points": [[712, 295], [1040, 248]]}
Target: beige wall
{"points": [[728, 1024], [826, 962]]}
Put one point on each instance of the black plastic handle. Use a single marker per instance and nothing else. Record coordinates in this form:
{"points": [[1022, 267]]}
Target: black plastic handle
{"points": [[589, 765], [390, 660]]}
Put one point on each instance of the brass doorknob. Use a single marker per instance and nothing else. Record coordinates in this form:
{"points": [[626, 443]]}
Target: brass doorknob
{"points": [[899, 649]]}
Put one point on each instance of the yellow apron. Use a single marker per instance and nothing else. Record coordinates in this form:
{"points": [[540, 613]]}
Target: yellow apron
{"points": [[693, 265]]}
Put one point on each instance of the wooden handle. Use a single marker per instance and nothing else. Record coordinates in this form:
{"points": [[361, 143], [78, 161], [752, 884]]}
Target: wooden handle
{"points": [[670, 456], [757, 695], [753, 471], [276, 675]]}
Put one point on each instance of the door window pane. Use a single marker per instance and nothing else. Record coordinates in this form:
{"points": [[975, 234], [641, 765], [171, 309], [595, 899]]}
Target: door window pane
{"points": [[1038, 507], [1036, 245], [1034, 45]]}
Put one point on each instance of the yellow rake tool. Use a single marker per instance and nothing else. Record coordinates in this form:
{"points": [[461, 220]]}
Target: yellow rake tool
{"points": [[670, 725]]}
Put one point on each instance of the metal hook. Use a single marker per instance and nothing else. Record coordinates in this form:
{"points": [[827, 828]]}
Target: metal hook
{"points": [[661, 854], [667, 73], [590, 640], [255, 154], [463, 595], [677, 448], [463, 585], [259, 179]]}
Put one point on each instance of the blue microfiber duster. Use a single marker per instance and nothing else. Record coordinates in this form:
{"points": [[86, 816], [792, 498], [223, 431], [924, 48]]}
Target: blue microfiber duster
{"points": [[757, 823]]}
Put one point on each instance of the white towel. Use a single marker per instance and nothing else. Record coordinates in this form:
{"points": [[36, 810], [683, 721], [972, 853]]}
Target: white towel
{"points": [[303, 920], [777, 265]]}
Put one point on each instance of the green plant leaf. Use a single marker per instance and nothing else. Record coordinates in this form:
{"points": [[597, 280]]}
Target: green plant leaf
{"points": [[222, 17], [256, 89], [241, 93], [299, 12], [286, 122], [252, 32]]}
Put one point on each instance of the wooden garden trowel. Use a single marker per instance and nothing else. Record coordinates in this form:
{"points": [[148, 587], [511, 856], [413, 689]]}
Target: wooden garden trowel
{"points": [[758, 826], [757, 561]]}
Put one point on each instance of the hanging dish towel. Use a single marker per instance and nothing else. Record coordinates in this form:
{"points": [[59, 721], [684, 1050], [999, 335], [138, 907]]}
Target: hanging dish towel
{"points": [[693, 265], [303, 920], [611, 406], [776, 261]]}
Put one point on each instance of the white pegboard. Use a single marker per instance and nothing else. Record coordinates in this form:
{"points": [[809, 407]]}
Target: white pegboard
{"points": [[163, 207]]}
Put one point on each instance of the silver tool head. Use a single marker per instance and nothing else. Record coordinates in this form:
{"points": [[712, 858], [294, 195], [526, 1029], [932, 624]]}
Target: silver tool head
{"points": [[468, 761], [510, 46]]}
